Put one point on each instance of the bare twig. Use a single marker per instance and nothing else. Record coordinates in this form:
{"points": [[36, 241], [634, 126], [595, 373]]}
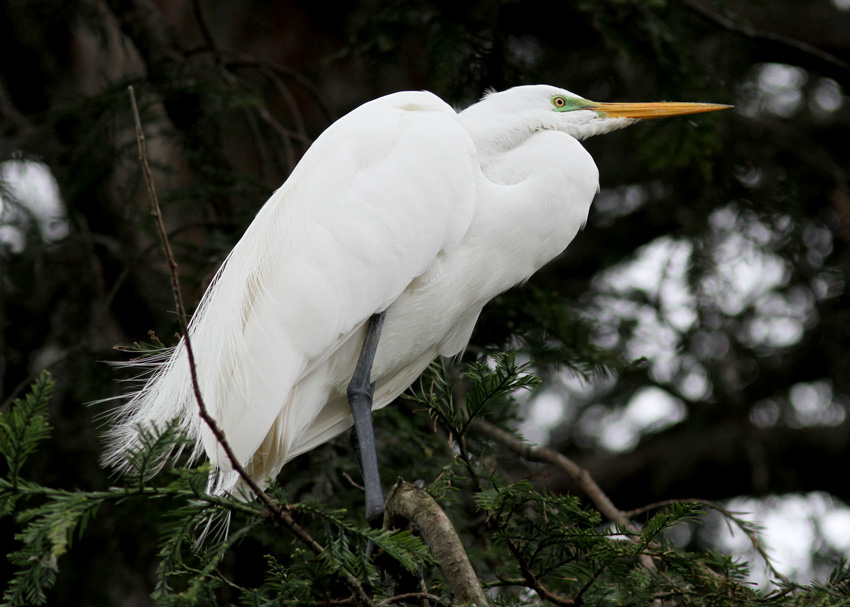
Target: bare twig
{"points": [[182, 317], [755, 33], [409, 503], [530, 581], [289, 99], [285, 134], [278, 513], [200, 17], [300, 127], [353, 482], [32, 376], [266, 164], [249, 61]]}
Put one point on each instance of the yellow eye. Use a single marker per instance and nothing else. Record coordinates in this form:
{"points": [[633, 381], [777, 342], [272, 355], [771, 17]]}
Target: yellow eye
{"points": [[559, 102]]}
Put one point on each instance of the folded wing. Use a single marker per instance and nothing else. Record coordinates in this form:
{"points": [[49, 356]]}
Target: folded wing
{"points": [[371, 205]]}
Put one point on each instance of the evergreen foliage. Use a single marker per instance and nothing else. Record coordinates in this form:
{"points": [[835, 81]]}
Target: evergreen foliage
{"points": [[231, 94], [526, 543]]}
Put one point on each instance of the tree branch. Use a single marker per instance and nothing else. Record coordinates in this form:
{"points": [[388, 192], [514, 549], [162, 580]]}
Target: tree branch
{"points": [[743, 525], [278, 513], [751, 32], [406, 502], [578, 474], [201, 18], [570, 468]]}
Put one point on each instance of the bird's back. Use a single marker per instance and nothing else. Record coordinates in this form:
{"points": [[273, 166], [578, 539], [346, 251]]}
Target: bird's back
{"points": [[369, 208]]}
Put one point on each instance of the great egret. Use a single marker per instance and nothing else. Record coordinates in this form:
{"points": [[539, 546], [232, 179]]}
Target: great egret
{"points": [[401, 221]]}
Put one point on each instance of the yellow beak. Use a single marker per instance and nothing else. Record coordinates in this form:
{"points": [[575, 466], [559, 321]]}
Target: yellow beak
{"points": [[647, 111]]}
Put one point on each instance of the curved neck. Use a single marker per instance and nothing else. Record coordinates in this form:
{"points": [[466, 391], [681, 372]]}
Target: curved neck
{"points": [[538, 192]]}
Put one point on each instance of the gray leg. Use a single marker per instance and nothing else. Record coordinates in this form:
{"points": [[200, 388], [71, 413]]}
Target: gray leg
{"points": [[359, 394]]}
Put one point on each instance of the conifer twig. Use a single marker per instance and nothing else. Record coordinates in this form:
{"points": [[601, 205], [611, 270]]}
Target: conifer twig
{"points": [[278, 513], [581, 476], [743, 525]]}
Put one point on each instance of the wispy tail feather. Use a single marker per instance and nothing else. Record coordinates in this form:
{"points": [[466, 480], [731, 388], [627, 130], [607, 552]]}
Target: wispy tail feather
{"points": [[146, 424]]}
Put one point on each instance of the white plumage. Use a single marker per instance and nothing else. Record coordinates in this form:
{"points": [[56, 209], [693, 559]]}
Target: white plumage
{"points": [[402, 205]]}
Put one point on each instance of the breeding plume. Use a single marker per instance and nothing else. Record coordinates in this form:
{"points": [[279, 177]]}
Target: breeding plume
{"points": [[376, 256]]}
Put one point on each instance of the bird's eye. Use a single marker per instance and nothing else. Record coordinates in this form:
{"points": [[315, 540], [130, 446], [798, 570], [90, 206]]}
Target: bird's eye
{"points": [[559, 102]]}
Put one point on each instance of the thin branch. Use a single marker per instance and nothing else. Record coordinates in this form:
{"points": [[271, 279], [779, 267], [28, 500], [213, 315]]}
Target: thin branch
{"points": [[181, 313], [529, 579], [251, 62], [525, 582], [289, 99], [578, 474], [278, 513], [532, 582], [300, 127], [7, 402], [285, 134], [752, 32], [266, 164], [353, 482], [201, 18]]}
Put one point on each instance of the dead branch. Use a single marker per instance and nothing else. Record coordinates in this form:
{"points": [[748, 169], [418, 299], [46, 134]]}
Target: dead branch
{"points": [[406, 502], [751, 32], [278, 513]]}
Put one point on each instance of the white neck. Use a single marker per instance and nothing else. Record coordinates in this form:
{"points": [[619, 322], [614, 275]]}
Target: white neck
{"points": [[498, 132]]}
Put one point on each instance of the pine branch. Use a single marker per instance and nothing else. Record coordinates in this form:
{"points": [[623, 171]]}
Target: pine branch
{"points": [[581, 476], [25, 425], [749, 530], [49, 527], [578, 474]]}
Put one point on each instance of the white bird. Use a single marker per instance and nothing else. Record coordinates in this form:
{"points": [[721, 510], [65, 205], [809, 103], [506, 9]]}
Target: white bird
{"points": [[403, 211]]}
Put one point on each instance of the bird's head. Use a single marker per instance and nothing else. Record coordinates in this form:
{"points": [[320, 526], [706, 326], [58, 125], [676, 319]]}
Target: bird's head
{"points": [[517, 112]]}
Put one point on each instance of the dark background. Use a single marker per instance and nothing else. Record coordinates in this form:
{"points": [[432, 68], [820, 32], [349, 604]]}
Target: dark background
{"points": [[233, 93]]}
